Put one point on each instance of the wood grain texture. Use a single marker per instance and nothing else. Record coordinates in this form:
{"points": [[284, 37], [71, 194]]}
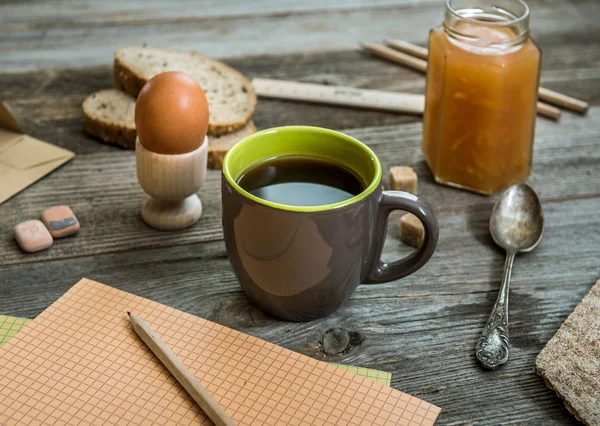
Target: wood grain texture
{"points": [[44, 14], [48, 102], [316, 28], [171, 182], [102, 189], [422, 329]]}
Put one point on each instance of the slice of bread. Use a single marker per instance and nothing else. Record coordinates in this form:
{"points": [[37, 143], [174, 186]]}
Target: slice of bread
{"points": [[109, 115], [219, 145], [231, 97]]}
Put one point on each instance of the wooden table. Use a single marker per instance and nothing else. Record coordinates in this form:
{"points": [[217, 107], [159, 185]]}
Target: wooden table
{"points": [[422, 329]]}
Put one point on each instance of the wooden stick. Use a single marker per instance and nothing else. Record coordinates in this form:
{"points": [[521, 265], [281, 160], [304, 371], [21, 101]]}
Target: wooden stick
{"points": [[548, 111], [185, 378], [406, 47], [564, 101], [421, 65], [545, 95], [395, 56]]}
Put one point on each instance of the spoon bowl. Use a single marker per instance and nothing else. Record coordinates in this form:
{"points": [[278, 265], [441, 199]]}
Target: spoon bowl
{"points": [[517, 220]]}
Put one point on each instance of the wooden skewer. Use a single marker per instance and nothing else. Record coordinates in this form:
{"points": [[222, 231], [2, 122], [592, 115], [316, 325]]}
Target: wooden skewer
{"points": [[564, 101], [548, 110], [545, 95], [395, 56], [185, 378], [421, 65], [406, 47]]}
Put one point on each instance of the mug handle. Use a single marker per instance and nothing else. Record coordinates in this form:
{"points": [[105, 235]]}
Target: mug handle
{"points": [[389, 201]]}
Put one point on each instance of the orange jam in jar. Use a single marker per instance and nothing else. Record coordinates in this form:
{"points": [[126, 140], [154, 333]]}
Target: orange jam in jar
{"points": [[481, 95]]}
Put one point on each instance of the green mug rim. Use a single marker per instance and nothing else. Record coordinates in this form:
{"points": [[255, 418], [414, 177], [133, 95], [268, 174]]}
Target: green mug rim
{"points": [[304, 209]]}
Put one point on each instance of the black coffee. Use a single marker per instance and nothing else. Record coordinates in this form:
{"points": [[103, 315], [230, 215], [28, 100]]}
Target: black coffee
{"points": [[301, 181]]}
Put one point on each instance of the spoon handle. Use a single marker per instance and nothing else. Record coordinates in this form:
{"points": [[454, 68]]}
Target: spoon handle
{"points": [[492, 347]]}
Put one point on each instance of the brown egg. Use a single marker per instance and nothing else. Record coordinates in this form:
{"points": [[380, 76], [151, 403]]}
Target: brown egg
{"points": [[171, 114]]}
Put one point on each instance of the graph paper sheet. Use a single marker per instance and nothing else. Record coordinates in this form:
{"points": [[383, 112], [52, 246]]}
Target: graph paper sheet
{"points": [[10, 326], [80, 362]]}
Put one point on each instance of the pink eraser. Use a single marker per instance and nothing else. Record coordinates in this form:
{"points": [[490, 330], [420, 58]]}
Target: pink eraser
{"points": [[60, 221], [32, 236]]}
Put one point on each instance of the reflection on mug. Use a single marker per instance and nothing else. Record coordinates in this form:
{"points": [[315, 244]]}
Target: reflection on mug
{"points": [[274, 251]]}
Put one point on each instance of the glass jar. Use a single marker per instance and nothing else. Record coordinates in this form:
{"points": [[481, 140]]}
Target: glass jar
{"points": [[481, 95]]}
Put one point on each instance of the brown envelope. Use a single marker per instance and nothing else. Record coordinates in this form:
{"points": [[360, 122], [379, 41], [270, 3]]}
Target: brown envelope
{"points": [[23, 159]]}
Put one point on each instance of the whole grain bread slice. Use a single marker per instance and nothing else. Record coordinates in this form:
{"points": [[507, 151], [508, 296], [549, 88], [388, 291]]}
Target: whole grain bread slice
{"points": [[231, 97], [219, 145], [109, 116]]}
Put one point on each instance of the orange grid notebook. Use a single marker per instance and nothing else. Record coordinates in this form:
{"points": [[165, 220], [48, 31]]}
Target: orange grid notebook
{"points": [[80, 362]]}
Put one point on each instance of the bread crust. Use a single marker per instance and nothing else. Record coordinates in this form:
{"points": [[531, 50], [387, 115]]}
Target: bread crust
{"points": [[128, 81], [125, 80], [113, 134], [216, 154], [109, 132], [124, 136]]}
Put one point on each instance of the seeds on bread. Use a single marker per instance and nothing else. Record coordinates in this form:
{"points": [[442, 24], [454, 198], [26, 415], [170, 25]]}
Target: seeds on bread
{"points": [[230, 95], [109, 115]]}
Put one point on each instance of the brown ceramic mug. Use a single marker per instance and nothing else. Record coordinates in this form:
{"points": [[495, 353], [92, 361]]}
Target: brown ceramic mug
{"points": [[300, 263]]}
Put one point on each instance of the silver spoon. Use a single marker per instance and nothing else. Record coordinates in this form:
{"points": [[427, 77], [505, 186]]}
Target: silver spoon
{"points": [[516, 225]]}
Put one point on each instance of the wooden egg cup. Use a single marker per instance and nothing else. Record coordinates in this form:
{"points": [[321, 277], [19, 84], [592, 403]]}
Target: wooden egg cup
{"points": [[171, 182]]}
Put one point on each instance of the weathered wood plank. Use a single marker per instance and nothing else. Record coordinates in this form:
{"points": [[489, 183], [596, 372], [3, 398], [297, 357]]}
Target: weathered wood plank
{"points": [[33, 48], [53, 14], [102, 189], [48, 102], [422, 329]]}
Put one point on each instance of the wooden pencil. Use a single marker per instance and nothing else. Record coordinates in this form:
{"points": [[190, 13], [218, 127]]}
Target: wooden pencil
{"points": [[421, 65], [185, 378], [406, 47], [545, 95]]}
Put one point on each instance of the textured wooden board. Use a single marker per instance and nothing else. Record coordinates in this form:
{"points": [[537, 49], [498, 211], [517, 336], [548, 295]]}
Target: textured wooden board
{"points": [[102, 189], [47, 102], [273, 30], [47, 13], [422, 328]]}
